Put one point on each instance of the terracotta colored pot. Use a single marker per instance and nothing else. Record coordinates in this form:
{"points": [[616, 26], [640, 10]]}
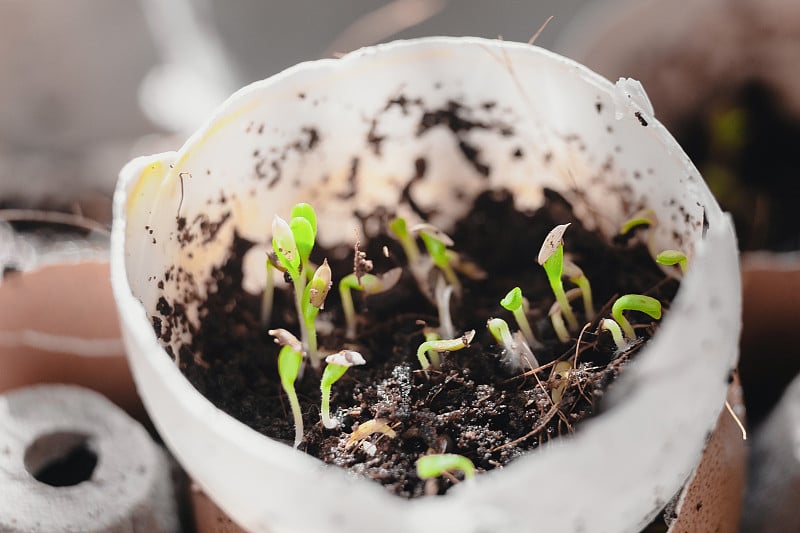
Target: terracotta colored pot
{"points": [[58, 324]]}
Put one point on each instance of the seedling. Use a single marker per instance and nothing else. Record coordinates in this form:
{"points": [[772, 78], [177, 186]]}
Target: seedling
{"points": [[561, 372], [436, 465], [432, 335], [515, 348], [290, 359], [634, 302], [575, 274], [292, 243], [369, 284], [448, 345], [513, 301], [643, 217], [399, 227], [557, 316], [612, 327], [551, 257], [673, 257], [436, 242], [338, 364]]}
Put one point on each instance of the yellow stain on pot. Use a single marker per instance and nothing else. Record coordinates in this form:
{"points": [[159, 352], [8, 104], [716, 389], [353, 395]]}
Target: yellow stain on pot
{"points": [[148, 181]]}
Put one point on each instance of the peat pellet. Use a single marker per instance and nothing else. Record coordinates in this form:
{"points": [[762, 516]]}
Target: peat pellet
{"points": [[70, 460]]}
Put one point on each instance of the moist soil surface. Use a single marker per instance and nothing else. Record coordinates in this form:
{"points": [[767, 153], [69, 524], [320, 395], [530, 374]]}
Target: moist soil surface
{"points": [[475, 405]]}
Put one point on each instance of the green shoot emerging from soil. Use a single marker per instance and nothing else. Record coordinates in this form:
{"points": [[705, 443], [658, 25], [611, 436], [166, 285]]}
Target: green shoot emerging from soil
{"points": [[290, 360], [399, 228], [436, 242], [338, 364], [634, 302], [574, 273], [292, 243], [673, 257], [447, 345], [436, 465], [551, 257], [612, 327], [514, 302], [557, 317], [516, 351], [644, 217], [369, 284]]}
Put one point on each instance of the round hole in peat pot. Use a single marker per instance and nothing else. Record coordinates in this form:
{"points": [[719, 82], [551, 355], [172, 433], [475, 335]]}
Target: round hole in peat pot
{"points": [[61, 459]]}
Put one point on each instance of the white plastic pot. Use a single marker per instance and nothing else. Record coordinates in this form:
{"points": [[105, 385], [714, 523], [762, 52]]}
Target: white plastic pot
{"points": [[595, 142]]}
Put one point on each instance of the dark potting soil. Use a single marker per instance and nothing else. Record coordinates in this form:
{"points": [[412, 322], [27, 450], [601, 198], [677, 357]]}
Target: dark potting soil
{"points": [[474, 405], [744, 143]]}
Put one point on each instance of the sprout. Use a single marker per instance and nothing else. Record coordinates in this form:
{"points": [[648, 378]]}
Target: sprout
{"points": [[369, 284], [435, 465], [430, 335], [634, 302], [673, 257], [643, 217], [561, 371], [574, 273], [515, 347], [612, 327], [290, 360], [400, 229], [338, 364], [513, 301], [293, 242], [557, 317], [313, 301], [436, 242], [551, 257], [440, 346]]}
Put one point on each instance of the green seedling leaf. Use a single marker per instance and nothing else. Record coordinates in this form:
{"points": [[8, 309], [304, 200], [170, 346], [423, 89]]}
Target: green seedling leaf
{"points": [[514, 302], [304, 236], [551, 257], [399, 227], [285, 246], [634, 302], [435, 465], [338, 364], [673, 257], [303, 210], [644, 217], [448, 345]]}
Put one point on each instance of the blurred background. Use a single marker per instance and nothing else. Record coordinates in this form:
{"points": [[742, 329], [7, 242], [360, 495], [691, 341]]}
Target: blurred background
{"points": [[88, 84]]}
